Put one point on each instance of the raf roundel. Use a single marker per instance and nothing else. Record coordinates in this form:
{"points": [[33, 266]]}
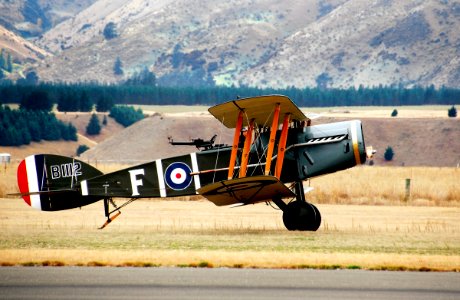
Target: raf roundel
{"points": [[177, 176]]}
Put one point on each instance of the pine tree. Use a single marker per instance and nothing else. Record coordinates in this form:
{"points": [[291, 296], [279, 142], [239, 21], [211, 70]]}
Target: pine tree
{"points": [[85, 102], [110, 31], [2, 60], [104, 104], [118, 67], [394, 113], [389, 153], [452, 112], [37, 100], [9, 63], [94, 127]]}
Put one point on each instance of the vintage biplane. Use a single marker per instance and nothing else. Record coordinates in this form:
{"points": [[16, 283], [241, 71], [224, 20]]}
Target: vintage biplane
{"points": [[275, 150]]}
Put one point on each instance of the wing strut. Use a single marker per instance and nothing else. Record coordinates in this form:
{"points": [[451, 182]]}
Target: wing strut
{"points": [[271, 142], [236, 139], [282, 146], [247, 146]]}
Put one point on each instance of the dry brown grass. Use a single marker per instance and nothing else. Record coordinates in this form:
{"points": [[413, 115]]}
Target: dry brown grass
{"points": [[185, 233], [429, 186], [378, 229]]}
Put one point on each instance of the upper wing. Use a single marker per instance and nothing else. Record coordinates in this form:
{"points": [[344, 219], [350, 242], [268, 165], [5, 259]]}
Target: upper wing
{"points": [[258, 108]]}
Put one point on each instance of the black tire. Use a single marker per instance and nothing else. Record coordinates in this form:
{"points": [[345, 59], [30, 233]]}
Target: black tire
{"points": [[317, 222], [301, 216]]}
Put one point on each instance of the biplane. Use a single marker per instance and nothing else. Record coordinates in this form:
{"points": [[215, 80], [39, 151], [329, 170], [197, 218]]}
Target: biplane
{"points": [[275, 150]]}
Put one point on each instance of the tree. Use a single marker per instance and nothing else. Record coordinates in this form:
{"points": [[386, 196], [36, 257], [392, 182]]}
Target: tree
{"points": [[104, 104], [32, 78], [85, 103], [118, 67], [394, 113], [81, 149], [2, 60], [389, 153], [37, 100], [9, 63], [452, 112], [110, 31], [145, 77], [94, 127]]}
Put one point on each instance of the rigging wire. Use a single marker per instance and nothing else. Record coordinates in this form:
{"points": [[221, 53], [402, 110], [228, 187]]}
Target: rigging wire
{"points": [[218, 151], [264, 150]]}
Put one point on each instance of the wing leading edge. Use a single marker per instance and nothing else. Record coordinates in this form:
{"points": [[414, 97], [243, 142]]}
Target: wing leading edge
{"points": [[258, 108]]}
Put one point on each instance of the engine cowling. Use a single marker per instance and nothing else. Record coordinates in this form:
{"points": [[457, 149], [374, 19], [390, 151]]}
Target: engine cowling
{"points": [[327, 148]]}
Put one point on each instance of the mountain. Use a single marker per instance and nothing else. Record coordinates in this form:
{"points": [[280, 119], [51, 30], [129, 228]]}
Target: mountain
{"points": [[265, 43], [182, 40], [21, 49], [31, 18], [371, 43]]}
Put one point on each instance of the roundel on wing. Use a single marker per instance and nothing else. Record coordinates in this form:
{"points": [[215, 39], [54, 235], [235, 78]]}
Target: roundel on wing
{"points": [[177, 176]]}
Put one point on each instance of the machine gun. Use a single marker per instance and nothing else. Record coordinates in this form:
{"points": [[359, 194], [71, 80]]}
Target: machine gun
{"points": [[198, 143]]}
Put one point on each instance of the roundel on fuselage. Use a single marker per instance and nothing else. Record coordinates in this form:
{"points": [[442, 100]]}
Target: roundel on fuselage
{"points": [[177, 176]]}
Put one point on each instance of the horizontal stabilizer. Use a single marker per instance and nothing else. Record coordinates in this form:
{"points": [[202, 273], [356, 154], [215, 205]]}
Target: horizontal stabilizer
{"points": [[50, 192], [246, 190]]}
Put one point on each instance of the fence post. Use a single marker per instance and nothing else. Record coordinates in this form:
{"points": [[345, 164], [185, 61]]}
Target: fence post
{"points": [[407, 189]]}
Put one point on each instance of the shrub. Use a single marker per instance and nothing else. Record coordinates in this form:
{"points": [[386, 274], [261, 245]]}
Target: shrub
{"points": [[452, 112], [389, 153], [394, 113], [81, 149], [126, 115]]}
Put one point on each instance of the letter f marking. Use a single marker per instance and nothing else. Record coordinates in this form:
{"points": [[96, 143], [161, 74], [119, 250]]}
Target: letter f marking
{"points": [[134, 181]]}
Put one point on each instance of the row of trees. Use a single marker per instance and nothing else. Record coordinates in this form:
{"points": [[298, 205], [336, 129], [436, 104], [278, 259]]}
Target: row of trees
{"points": [[20, 127], [71, 97]]}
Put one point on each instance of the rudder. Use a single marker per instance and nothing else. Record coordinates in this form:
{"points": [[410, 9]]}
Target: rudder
{"points": [[50, 182]]}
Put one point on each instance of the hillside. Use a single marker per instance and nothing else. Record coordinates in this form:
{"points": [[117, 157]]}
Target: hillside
{"points": [[263, 43], [431, 140], [415, 141], [149, 139], [21, 50], [31, 18], [370, 43]]}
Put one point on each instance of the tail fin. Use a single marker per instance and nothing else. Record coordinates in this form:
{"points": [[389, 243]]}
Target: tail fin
{"points": [[50, 182]]}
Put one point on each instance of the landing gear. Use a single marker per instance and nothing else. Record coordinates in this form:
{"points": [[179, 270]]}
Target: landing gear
{"points": [[299, 214]]}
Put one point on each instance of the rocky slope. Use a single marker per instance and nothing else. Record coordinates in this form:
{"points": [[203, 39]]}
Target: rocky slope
{"points": [[264, 43]]}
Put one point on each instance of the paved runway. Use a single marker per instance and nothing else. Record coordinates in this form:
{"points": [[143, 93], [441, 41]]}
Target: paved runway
{"points": [[177, 283]]}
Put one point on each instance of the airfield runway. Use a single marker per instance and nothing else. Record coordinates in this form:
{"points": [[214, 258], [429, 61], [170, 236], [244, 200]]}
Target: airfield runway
{"points": [[221, 283]]}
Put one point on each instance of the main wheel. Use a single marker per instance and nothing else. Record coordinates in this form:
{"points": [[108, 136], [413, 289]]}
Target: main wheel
{"points": [[317, 222], [303, 216]]}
